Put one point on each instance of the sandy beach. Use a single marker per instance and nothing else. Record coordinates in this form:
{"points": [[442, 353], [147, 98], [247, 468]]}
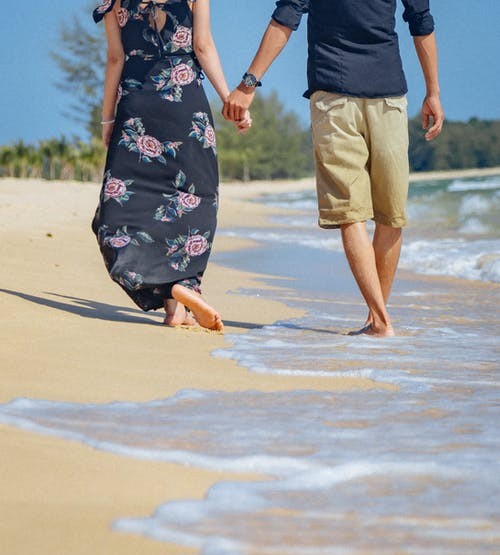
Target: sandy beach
{"points": [[70, 334], [71, 337]]}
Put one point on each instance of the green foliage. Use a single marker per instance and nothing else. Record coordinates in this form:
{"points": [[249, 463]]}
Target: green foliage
{"points": [[472, 144], [53, 159], [276, 147]]}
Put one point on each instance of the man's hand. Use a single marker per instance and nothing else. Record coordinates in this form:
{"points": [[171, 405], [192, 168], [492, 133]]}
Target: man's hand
{"points": [[433, 115], [237, 103]]}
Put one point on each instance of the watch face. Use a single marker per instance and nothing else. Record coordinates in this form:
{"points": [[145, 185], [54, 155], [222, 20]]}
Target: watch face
{"points": [[249, 80]]}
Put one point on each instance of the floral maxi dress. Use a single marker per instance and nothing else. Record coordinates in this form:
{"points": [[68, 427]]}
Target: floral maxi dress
{"points": [[157, 210]]}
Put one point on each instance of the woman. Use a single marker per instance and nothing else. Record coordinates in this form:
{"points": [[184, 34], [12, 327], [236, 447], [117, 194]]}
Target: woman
{"points": [[157, 211]]}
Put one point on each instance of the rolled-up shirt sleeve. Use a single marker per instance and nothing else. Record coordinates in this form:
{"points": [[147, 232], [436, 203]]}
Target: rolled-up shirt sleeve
{"points": [[290, 12], [418, 15]]}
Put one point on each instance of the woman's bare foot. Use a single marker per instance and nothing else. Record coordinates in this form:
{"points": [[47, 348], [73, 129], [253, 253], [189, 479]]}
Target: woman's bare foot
{"points": [[177, 315], [205, 315], [189, 320]]}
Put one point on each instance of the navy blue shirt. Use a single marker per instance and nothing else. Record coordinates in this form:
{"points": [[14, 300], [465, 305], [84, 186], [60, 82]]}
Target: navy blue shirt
{"points": [[353, 45]]}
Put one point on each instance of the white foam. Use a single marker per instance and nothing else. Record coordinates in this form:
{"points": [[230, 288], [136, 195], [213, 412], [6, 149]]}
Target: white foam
{"points": [[460, 185], [474, 205], [473, 226], [453, 257], [310, 443], [489, 267]]}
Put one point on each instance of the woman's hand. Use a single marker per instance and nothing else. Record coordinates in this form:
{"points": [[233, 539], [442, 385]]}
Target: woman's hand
{"points": [[244, 124], [107, 130]]}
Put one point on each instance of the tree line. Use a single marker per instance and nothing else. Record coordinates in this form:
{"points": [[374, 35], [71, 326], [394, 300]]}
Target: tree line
{"points": [[278, 146], [53, 159], [461, 145]]}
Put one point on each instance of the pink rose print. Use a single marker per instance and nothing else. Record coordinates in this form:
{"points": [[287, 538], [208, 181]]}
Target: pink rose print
{"points": [[182, 37], [196, 245], [122, 17], [209, 135], [202, 130], [119, 242], [182, 74], [188, 201], [114, 188], [105, 5], [149, 146]]}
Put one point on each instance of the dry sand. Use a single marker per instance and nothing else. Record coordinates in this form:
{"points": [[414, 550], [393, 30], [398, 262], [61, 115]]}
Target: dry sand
{"points": [[70, 334]]}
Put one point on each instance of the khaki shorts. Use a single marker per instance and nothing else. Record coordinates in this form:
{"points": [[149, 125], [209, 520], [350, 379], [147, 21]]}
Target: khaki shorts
{"points": [[361, 155]]}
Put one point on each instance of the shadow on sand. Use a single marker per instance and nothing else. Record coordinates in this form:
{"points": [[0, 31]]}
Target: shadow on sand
{"points": [[103, 311], [112, 313]]}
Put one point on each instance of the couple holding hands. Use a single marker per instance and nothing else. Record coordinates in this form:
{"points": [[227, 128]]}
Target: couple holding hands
{"points": [[156, 218]]}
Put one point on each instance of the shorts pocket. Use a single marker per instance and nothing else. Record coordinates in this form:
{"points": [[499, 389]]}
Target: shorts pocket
{"points": [[399, 102], [325, 101]]}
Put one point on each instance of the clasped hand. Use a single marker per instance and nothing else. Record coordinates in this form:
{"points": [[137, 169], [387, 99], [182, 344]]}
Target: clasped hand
{"points": [[244, 124], [236, 110]]}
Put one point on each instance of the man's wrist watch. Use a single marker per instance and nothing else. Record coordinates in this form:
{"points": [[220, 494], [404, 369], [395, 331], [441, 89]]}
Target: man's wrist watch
{"points": [[249, 80]]}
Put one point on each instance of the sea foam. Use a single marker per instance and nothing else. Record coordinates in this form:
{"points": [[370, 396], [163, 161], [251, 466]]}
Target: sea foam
{"points": [[401, 466], [461, 185]]}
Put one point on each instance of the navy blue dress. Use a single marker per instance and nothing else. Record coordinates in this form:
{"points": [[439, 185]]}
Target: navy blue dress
{"points": [[157, 211]]}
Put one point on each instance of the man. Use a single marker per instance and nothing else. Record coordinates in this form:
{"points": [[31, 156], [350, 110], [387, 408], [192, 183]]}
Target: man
{"points": [[357, 98]]}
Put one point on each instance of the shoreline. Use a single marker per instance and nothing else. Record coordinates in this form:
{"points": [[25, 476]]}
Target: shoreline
{"points": [[70, 334], [250, 188], [454, 174]]}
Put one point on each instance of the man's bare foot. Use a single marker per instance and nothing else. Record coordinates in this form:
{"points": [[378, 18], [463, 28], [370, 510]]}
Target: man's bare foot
{"points": [[370, 329], [361, 331], [205, 315], [177, 315]]}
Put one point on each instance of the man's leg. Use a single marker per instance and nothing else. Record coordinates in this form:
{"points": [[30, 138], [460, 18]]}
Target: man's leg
{"points": [[389, 168], [361, 256], [387, 243]]}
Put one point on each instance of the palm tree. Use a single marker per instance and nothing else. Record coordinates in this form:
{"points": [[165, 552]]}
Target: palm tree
{"points": [[56, 155], [7, 161], [34, 161], [48, 158], [21, 158]]}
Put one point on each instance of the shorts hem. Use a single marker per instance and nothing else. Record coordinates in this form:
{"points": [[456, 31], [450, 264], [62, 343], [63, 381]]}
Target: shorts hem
{"points": [[396, 223], [335, 223]]}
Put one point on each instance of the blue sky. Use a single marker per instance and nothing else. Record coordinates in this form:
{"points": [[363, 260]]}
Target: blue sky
{"points": [[31, 108]]}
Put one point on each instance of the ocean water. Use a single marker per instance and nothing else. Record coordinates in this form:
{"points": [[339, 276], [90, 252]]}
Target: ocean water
{"points": [[408, 467], [454, 227]]}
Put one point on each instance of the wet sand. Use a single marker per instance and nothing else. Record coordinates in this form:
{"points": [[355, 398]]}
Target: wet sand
{"points": [[70, 334]]}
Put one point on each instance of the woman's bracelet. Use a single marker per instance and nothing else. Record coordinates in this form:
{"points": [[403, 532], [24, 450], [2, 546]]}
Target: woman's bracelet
{"points": [[105, 122]]}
